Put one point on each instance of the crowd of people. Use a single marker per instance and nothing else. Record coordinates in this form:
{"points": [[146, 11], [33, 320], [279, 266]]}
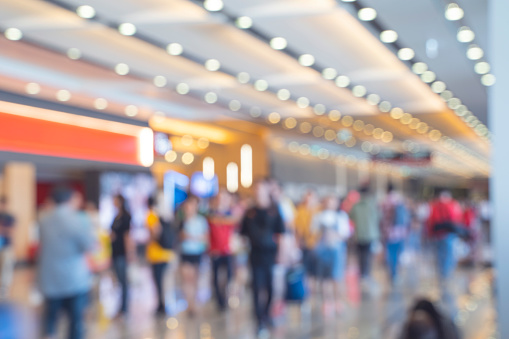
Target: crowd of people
{"points": [[261, 233]]}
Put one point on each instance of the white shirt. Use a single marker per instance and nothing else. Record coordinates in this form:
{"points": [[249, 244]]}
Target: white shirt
{"points": [[334, 225]]}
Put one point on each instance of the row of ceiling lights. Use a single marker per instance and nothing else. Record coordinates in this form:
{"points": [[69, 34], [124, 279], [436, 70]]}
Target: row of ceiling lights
{"points": [[279, 43], [429, 77]]}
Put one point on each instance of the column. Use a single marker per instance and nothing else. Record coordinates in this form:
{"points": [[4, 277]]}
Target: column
{"points": [[499, 122], [20, 188], [341, 180]]}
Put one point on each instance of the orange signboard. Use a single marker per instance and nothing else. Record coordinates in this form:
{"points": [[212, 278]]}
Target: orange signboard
{"points": [[24, 134]]}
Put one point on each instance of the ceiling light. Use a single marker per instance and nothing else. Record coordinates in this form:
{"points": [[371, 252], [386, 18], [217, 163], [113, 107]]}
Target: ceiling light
{"points": [[243, 77], [182, 88], [283, 94], [359, 91], [385, 106], [213, 5], [453, 103], [453, 12], [244, 22], [334, 115], [475, 52], [187, 158], [435, 135], [13, 34], [278, 43], [85, 11], [387, 137], [303, 102], [235, 105], [446, 95], [290, 123], [255, 111], [482, 67], [203, 143], [274, 117], [122, 69], [304, 149], [348, 0], [347, 121], [406, 54], [428, 77], [366, 146], [210, 97], [397, 113], [368, 129], [33, 88], [306, 60], [160, 81], [414, 123], [367, 14], [131, 110], [389, 36], [170, 156], [488, 80], [351, 142], [406, 118], [461, 110], [438, 87], [329, 73], [330, 135], [212, 65], [419, 67], [319, 109], [293, 147], [63, 95], [465, 34], [127, 28], [100, 103], [373, 99], [74, 53], [342, 81], [358, 125], [174, 49], [318, 131], [305, 127], [261, 85]]}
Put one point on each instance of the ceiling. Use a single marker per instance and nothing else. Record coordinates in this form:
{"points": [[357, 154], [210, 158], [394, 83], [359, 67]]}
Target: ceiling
{"points": [[326, 29]]}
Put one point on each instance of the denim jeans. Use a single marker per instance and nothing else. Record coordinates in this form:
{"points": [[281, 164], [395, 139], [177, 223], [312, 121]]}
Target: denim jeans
{"points": [[158, 275], [120, 268], [444, 252], [394, 250], [365, 257], [222, 262], [262, 280], [74, 307]]}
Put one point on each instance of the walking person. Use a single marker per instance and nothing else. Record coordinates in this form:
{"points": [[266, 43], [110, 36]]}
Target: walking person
{"points": [[195, 238], [7, 224], [445, 215], [64, 278], [394, 223], [333, 226], [221, 229], [121, 251], [365, 217], [157, 256], [262, 226]]}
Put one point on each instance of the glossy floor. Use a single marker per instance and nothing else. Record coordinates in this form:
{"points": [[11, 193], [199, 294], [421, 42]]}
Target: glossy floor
{"points": [[376, 312]]}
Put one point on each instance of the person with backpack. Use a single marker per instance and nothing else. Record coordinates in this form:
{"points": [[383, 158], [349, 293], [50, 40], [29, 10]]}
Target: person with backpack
{"points": [[333, 227], [394, 223], [158, 252], [444, 220], [262, 226]]}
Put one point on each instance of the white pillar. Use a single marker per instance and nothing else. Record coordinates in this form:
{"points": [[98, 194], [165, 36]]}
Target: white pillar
{"points": [[499, 122], [341, 180]]}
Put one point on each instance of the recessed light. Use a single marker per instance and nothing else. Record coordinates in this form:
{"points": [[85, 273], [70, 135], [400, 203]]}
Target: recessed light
{"points": [[33, 88], [406, 54], [160, 81], [174, 49], [100, 103], [389, 36], [85, 11], [63, 95], [482, 67], [131, 110], [122, 69], [306, 60], [475, 52], [453, 12], [13, 34], [212, 65], [278, 43], [127, 28], [261, 85], [465, 34], [182, 88], [74, 53], [243, 77], [244, 22], [342, 81], [488, 80], [213, 5], [367, 14], [211, 97], [329, 73], [283, 94]]}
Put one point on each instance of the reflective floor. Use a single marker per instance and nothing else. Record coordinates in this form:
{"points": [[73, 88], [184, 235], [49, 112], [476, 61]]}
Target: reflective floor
{"points": [[370, 313]]}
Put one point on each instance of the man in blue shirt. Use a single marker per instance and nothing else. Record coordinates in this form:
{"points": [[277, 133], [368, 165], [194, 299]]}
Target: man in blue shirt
{"points": [[64, 276]]}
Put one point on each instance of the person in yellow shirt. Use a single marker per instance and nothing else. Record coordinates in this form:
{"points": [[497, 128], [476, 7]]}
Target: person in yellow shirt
{"points": [[308, 239], [157, 256]]}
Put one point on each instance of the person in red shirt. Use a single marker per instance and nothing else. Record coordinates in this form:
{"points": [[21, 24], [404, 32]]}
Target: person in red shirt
{"points": [[443, 211], [222, 226]]}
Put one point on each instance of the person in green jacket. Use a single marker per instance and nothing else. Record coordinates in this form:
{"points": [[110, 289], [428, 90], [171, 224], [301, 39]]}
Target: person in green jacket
{"points": [[365, 216]]}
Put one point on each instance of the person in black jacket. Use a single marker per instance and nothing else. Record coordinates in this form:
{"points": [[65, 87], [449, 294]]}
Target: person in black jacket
{"points": [[120, 248], [262, 225], [426, 322]]}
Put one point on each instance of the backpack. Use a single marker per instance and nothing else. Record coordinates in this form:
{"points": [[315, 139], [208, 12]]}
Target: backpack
{"points": [[168, 237], [401, 215]]}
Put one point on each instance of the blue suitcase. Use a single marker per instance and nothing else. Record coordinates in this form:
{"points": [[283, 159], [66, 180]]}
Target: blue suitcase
{"points": [[296, 289]]}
